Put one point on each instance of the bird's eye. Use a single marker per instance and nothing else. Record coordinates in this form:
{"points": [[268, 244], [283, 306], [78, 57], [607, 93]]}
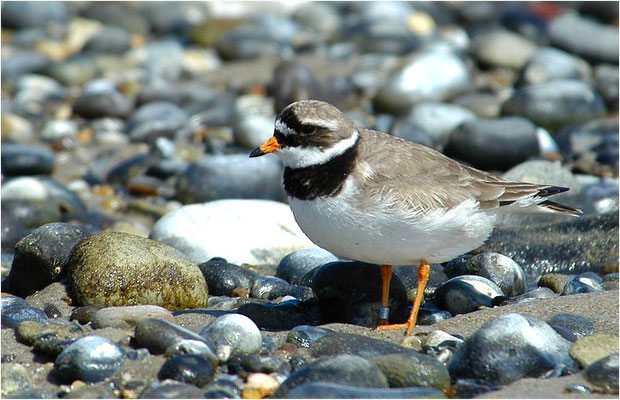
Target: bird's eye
{"points": [[308, 129]]}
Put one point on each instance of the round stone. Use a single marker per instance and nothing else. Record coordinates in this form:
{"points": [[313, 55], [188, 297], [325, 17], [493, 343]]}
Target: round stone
{"points": [[534, 348], [295, 265], [466, 293], [90, 359], [187, 368], [235, 330], [119, 269], [22, 159]]}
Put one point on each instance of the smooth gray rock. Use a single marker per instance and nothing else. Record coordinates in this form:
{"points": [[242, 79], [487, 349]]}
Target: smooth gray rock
{"points": [[90, 359], [509, 348]]}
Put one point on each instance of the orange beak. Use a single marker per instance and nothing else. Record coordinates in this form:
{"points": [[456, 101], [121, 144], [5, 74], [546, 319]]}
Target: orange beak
{"points": [[270, 146]]}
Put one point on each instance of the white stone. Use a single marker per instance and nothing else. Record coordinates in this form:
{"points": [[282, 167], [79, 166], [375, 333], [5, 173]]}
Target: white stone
{"points": [[240, 230]]}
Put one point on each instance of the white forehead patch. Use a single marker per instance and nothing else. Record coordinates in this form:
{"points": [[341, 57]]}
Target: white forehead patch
{"points": [[301, 157]]}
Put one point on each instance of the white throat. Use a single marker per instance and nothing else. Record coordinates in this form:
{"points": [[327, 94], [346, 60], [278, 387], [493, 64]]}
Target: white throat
{"points": [[301, 157]]}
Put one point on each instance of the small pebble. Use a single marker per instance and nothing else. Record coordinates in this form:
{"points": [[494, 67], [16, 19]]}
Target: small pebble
{"points": [[235, 330], [189, 368], [90, 359]]}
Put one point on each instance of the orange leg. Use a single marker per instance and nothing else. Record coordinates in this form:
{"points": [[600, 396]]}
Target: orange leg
{"points": [[386, 277], [423, 271]]}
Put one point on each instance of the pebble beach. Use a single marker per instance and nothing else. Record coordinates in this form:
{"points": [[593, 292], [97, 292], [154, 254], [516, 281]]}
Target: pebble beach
{"points": [[145, 255]]}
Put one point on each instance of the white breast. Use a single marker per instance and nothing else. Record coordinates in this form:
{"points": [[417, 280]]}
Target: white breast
{"points": [[382, 235]]}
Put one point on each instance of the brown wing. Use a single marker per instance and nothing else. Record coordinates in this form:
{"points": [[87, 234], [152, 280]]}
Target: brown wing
{"points": [[405, 174]]}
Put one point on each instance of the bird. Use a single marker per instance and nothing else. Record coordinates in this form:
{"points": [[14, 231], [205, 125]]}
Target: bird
{"points": [[373, 197]]}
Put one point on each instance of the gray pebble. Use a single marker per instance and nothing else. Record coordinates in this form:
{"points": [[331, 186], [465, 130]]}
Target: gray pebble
{"points": [[603, 374], [549, 64], [189, 368], [496, 144], [156, 119], [501, 270], [296, 264], [158, 335], [577, 325], [342, 369], [171, 391], [223, 277], [323, 390], [581, 284], [577, 34], [555, 104], [90, 359], [22, 159], [235, 330], [509, 348], [40, 257], [466, 293]]}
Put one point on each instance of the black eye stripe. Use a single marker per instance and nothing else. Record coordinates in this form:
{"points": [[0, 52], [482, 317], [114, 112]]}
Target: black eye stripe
{"points": [[286, 140]]}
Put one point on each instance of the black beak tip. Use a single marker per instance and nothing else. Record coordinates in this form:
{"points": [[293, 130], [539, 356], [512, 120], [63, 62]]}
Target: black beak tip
{"points": [[257, 152]]}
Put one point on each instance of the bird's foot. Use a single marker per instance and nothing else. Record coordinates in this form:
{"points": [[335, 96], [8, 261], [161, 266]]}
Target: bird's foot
{"points": [[408, 326]]}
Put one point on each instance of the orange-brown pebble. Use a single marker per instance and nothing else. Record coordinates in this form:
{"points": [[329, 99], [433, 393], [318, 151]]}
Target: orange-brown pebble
{"points": [[259, 386]]}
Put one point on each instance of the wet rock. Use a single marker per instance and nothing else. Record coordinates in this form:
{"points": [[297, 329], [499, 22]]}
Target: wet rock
{"points": [[447, 74], [322, 390], [549, 64], [22, 159], [306, 335], [576, 325], [555, 104], [483, 104], [101, 99], [271, 287], [536, 294], [236, 331], [581, 284], [298, 263], [256, 363], [496, 144], [248, 237], [427, 316], [502, 48], [466, 293], [83, 315], [590, 349], [343, 369], [119, 269], [187, 368], [350, 292], [603, 374], [563, 246], [15, 310], [501, 270], [224, 278], [127, 317], [40, 257], [509, 348], [159, 335], [156, 119], [90, 359], [49, 337], [439, 338], [574, 33], [333, 344], [171, 391], [15, 379], [285, 315], [235, 176], [419, 371], [195, 347]]}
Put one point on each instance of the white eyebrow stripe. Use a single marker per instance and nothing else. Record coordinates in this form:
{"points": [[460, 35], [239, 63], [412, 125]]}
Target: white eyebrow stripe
{"points": [[301, 157], [323, 123], [283, 128]]}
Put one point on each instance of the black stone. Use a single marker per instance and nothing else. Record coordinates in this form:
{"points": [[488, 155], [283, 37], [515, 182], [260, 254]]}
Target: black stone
{"points": [[187, 368]]}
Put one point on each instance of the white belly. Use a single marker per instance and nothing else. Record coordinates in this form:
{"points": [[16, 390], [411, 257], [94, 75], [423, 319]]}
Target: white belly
{"points": [[383, 236]]}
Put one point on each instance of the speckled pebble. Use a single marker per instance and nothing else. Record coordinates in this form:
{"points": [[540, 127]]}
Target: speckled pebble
{"points": [[589, 349], [119, 269]]}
